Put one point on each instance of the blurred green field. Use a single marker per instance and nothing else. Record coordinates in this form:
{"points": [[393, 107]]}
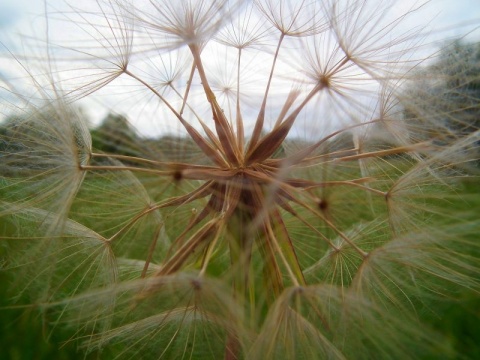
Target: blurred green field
{"points": [[25, 333]]}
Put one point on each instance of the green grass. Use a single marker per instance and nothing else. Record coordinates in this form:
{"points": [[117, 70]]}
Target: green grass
{"points": [[25, 333]]}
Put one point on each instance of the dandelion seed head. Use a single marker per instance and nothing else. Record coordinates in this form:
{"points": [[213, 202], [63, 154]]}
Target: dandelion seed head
{"points": [[285, 200]]}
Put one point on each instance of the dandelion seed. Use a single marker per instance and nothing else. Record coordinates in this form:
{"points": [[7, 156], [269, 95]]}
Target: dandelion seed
{"points": [[267, 194]]}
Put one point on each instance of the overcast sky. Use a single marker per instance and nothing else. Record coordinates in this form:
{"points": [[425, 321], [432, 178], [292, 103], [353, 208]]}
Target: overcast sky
{"points": [[15, 14], [451, 19]]}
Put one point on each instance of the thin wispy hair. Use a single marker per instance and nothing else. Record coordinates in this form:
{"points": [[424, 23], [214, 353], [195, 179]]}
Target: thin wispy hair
{"points": [[268, 183]]}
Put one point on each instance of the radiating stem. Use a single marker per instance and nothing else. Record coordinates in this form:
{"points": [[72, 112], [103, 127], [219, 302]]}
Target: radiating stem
{"points": [[187, 90], [239, 120], [261, 116], [124, 168], [272, 236], [222, 126], [151, 250], [202, 235], [167, 164], [205, 128], [210, 249], [132, 222], [346, 183], [199, 140]]}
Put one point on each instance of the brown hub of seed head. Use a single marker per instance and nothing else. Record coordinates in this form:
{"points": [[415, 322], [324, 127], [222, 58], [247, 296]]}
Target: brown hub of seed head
{"points": [[247, 184]]}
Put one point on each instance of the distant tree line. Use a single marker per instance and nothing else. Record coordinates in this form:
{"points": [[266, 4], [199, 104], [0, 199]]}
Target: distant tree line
{"points": [[451, 86]]}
